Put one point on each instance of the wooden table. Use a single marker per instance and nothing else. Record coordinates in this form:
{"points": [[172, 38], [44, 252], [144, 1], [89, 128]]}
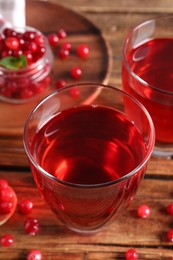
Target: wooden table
{"points": [[114, 18]]}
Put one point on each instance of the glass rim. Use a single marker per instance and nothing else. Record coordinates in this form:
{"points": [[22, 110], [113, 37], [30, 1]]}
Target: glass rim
{"points": [[89, 186], [125, 42]]}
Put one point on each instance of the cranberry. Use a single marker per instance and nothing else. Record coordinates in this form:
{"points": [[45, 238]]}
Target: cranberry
{"points": [[143, 211], [169, 209], [3, 184], [32, 46], [31, 226], [29, 35], [26, 93], [8, 32], [76, 72], [7, 240], [53, 39], [169, 235], [74, 92], [62, 34], [63, 53], [25, 206], [40, 40], [83, 51], [131, 254], [12, 43], [66, 46], [17, 53], [34, 255], [28, 56], [6, 194], [6, 207], [60, 83]]}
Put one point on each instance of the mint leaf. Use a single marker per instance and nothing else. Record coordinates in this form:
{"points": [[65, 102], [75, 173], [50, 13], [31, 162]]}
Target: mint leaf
{"points": [[14, 63]]}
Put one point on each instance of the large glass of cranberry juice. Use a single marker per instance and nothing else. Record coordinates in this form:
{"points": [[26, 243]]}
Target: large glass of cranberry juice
{"points": [[147, 74], [88, 153]]}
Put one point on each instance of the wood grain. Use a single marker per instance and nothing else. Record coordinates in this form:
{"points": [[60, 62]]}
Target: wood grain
{"points": [[113, 19], [147, 235]]}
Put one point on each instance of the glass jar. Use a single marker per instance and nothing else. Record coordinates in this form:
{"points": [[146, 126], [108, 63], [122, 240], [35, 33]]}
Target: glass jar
{"points": [[23, 84]]}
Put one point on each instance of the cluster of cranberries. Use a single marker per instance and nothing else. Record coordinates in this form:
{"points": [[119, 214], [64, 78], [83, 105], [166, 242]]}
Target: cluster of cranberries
{"points": [[8, 201], [64, 50], [15, 84], [31, 44]]}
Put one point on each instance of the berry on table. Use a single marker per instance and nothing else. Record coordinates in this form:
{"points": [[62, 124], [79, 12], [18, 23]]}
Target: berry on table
{"points": [[143, 211], [7, 240], [60, 84], [62, 34], [66, 46], [63, 53], [74, 92], [169, 209], [3, 184], [53, 39], [76, 72], [25, 206], [131, 254], [83, 51], [34, 255], [169, 235], [31, 226]]}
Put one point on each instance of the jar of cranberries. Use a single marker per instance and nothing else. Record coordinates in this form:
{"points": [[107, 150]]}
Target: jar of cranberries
{"points": [[25, 64]]}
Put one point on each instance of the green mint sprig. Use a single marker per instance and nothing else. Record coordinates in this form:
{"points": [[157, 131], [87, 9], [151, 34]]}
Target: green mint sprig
{"points": [[14, 63]]}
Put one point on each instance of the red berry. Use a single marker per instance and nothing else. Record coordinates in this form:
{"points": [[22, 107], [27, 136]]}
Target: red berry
{"points": [[8, 32], [62, 34], [63, 53], [39, 40], [83, 51], [34, 255], [12, 43], [143, 211], [26, 93], [3, 184], [60, 83], [6, 207], [6, 194], [29, 35], [31, 226], [131, 254], [7, 240], [66, 46], [169, 235], [74, 92], [32, 46], [25, 206], [76, 72], [169, 209], [53, 39]]}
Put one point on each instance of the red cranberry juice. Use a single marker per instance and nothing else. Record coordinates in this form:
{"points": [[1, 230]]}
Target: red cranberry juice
{"points": [[153, 63], [88, 145]]}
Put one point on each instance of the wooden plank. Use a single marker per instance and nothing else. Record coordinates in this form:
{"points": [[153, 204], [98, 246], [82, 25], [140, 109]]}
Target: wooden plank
{"points": [[125, 6]]}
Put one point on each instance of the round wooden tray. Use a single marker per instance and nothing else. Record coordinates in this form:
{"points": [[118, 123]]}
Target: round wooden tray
{"points": [[50, 17]]}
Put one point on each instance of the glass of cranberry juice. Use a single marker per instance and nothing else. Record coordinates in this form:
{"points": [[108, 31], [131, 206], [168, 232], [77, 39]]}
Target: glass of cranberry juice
{"points": [[88, 152], [147, 74]]}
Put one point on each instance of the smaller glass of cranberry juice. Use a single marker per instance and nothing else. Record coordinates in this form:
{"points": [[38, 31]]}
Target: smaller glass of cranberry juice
{"points": [[88, 153], [147, 75]]}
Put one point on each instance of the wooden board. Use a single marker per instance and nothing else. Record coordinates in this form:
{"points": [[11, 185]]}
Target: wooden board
{"points": [[49, 17], [56, 242]]}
